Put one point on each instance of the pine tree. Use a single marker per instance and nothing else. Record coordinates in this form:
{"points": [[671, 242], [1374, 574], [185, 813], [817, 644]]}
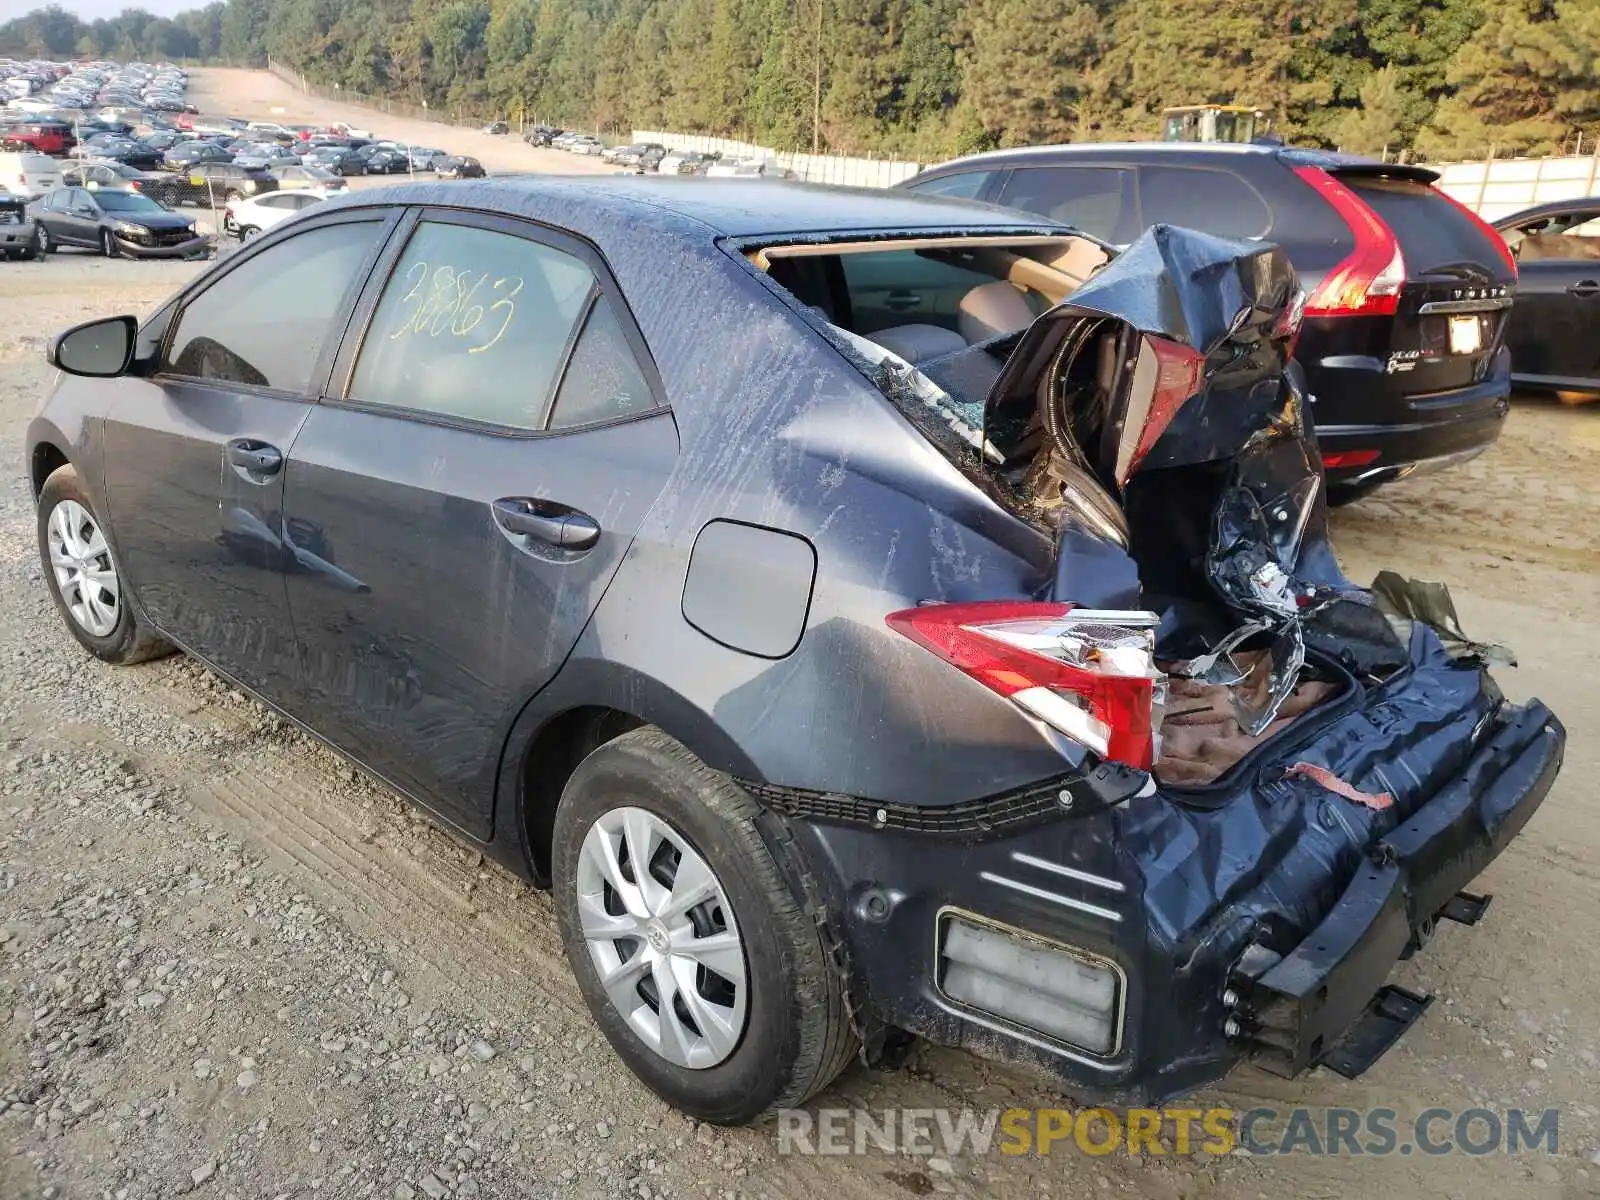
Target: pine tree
{"points": [[1375, 126]]}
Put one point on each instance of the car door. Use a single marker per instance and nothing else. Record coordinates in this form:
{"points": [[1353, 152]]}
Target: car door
{"points": [[458, 506], [80, 223], [1551, 326], [194, 450]]}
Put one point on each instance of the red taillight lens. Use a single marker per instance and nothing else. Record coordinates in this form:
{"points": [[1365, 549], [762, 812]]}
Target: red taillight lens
{"points": [[1488, 231], [1348, 458], [1367, 282], [1088, 674]]}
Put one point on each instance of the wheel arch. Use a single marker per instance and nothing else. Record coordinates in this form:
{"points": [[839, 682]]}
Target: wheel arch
{"points": [[589, 704], [44, 460]]}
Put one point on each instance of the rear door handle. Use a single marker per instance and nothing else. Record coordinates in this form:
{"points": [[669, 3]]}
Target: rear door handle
{"points": [[1585, 287], [543, 521], [256, 457]]}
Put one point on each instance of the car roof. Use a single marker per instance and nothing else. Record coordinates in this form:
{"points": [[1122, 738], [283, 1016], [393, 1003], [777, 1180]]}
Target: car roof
{"points": [[723, 207]]}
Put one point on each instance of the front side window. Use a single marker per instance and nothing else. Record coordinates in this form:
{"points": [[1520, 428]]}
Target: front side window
{"points": [[475, 325], [264, 323]]}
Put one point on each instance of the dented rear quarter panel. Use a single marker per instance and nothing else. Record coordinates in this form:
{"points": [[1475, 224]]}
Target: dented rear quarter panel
{"points": [[777, 429]]}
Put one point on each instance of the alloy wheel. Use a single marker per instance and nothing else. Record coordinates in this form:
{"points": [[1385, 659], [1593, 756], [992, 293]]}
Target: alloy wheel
{"points": [[662, 937], [85, 574], [44, 241]]}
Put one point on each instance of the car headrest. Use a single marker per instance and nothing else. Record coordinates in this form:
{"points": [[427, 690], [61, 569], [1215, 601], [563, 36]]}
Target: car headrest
{"points": [[992, 309]]}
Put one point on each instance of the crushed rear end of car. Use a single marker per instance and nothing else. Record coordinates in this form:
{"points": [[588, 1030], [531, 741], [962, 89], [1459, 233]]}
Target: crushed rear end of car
{"points": [[1277, 787]]}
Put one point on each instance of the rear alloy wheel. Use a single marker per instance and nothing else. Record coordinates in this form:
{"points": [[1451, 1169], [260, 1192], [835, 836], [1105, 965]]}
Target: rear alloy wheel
{"points": [[47, 244], [706, 975], [108, 244], [168, 198], [248, 232], [83, 576]]}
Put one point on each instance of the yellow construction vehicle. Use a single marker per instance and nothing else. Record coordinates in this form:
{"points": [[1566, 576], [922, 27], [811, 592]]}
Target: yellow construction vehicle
{"points": [[1214, 123]]}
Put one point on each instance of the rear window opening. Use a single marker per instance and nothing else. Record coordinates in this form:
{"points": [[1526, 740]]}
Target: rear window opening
{"points": [[923, 299]]}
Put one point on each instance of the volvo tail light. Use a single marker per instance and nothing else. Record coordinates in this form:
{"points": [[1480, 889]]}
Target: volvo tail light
{"points": [[1089, 674], [1367, 282]]}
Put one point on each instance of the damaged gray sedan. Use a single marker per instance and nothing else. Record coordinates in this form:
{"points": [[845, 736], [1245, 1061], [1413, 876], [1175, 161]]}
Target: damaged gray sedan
{"points": [[873, 616]]}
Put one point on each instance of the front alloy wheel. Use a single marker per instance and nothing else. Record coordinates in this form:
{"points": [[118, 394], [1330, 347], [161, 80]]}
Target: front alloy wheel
{"points": [[85, 575], [662, 937], [84, 580]]}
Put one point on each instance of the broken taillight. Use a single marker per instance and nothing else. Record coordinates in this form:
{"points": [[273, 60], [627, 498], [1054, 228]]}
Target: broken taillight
{"points": [[1367, 282], [1089, 674]]}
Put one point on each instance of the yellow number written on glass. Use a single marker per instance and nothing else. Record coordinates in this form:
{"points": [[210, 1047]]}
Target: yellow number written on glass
{"points": [[444, 299], [505, 304]]}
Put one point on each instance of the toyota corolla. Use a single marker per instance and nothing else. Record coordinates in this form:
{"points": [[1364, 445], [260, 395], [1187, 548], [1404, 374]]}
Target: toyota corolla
{"points": [[872, 615]]}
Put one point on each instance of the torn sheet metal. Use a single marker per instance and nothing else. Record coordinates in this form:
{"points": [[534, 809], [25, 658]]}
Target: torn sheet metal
{"points": [[1172, 354], [1405, 601]]}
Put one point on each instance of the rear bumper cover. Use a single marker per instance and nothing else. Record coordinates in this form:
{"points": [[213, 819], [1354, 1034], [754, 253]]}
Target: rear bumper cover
{"points": [[1321, 895], [1295, 1011]]}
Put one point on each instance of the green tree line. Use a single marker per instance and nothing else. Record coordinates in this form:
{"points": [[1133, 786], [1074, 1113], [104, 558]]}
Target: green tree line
{"points": [[923, 79]]}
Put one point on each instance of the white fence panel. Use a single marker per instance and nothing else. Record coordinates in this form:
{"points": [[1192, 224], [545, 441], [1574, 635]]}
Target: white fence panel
{"points": [[1500, 187], [814, 168]]}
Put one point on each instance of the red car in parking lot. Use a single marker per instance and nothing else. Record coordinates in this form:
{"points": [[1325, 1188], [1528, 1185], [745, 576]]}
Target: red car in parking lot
{"points": [[47, 137]]}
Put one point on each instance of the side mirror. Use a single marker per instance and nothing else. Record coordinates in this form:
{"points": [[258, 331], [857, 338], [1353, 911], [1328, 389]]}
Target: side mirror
{"points": [[100, 349]]}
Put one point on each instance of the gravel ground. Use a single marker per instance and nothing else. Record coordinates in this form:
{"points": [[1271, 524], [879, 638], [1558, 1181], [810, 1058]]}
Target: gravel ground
{"points": [[230, 965]]}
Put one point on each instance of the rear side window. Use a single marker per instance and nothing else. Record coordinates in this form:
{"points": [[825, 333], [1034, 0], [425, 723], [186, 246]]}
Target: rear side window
{"points": [[1211, 201], [1432, 232], [602, 380], [264, 322], [1096, 200], [475, 325], [964, 186]]}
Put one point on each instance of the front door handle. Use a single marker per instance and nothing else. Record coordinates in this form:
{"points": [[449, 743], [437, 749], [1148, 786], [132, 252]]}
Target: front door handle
{"points": [[900, 301], [1585, 288], [256, 457], [543, 521]]}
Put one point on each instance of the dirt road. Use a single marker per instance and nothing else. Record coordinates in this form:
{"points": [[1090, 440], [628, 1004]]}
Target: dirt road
{"points": [[233, 967], [259, 96]]}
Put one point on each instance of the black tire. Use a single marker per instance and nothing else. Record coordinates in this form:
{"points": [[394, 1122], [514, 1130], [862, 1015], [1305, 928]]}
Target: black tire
{"points": [[108, 244], [169, 198], [47, 244], [129, 640], [797, 1036]]}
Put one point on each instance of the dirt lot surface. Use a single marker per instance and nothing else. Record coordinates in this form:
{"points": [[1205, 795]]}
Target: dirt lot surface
{"points": [[232, 966]]}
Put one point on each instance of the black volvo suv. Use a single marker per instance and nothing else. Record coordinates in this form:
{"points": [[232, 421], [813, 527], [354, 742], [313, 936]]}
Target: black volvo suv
{"points": [[1406, 289]]}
